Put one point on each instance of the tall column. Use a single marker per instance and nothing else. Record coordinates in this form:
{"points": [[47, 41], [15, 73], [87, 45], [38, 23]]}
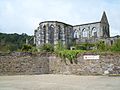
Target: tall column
{"points": [[55, 34], [47, 27]]}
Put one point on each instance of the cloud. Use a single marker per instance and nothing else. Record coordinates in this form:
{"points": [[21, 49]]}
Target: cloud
{"points": [[23, 16]]}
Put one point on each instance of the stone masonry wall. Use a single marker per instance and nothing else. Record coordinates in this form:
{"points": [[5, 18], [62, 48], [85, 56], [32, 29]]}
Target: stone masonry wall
{"points": [[12, 65], [107, 63]]}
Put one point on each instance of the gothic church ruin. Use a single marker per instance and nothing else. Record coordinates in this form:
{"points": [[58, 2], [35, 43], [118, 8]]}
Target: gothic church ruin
{"points": [[54, 31]]}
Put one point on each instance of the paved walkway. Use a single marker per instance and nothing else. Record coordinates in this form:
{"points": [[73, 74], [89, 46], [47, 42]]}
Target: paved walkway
{"points": [[59, 82]]}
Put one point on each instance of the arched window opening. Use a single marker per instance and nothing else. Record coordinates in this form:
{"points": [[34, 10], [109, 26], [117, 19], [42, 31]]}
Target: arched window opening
{"points": [[44, 33], [51, 34], [59, 33], [76, 34], [94, 32], [84, 33]]}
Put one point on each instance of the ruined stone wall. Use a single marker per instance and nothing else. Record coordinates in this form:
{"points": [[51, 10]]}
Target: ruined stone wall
{"points": [[109, 63], [13, 65]]}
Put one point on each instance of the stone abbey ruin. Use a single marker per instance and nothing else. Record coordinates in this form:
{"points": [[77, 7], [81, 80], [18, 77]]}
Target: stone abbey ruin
{"points": [[54, 31]]}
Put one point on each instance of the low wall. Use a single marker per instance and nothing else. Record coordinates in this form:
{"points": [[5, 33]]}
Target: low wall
{"points": [[29, 64], [107, 63], [11, 65]]}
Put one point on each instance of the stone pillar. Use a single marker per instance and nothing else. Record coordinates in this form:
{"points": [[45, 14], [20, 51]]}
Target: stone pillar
{"points": [[55, 34], [47, 27]]}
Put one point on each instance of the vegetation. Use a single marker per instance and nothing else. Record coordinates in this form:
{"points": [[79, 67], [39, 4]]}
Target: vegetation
{"points": [[59, 47], [46, 48], [69, 54], [116, 46], [100, 45], [13, 42], [84, 46], [26, 48]]}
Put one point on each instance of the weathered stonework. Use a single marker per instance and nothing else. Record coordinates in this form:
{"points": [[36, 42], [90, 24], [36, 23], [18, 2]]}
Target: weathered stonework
{"points": [[110, 63], [10, 65], [54, 31], [50, 64]]}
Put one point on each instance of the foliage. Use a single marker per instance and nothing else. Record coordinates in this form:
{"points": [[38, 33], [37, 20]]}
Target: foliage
{"points": [[116, 46], [26, 48], [101, 46], [84, 46], [59, 46], [47, 48], [69, 54], [13, 42]]}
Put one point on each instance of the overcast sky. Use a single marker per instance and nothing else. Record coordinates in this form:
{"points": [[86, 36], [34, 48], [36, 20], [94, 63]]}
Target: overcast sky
{"points": [[23, 16]]}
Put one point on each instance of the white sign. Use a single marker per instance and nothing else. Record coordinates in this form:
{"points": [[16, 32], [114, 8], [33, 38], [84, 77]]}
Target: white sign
{"points": [[91, 57]]}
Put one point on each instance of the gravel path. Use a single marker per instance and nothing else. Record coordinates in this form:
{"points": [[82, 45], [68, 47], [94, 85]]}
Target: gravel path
{"points": [[59, 82]]}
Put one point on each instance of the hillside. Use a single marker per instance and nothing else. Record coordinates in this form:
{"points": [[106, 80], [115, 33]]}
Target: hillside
{"points": [[13, 42]]}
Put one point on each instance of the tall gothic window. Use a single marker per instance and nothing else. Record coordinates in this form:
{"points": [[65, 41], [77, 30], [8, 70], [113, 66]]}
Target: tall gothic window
{"points": [[84, 33], [59, 33], [76, 34], [44, 33], [51, 34], [94, 32]]}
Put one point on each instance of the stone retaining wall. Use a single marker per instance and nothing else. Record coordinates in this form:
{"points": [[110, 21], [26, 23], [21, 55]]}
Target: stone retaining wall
{"points": [[12, 65], [106, 63]]}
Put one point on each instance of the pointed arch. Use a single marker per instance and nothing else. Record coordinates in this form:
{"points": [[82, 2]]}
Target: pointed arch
{"points": [[84, 33], [44, 33], [94, 32], [76, 33], [51, 34], [59, 32]]}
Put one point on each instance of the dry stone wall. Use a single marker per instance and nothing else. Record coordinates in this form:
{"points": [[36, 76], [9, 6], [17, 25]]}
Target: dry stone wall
{"points": [[10, 65], [107, 63], [30, 64]]}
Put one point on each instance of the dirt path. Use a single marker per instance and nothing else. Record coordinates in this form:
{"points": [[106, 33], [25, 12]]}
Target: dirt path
{"points": [[59, 82]]}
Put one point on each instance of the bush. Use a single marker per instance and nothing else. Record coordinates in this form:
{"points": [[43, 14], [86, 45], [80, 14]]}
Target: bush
{"points": [[101, 46], [47, 48], [84, 46], [59, 46], [26, 48], [69, 54], [116, 46]]}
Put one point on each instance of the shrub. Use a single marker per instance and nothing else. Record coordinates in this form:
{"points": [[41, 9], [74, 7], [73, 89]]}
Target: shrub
{"points": [[69, 54], [26, 48], [116, 46], [101, 46], [84, 46], [47, 48], [60, 46]]}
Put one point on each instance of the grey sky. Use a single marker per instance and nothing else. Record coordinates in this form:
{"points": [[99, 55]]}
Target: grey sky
{"points": [[23, 16]]}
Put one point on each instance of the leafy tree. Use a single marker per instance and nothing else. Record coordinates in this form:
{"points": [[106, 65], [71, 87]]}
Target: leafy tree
{"points": [[13, 42]]}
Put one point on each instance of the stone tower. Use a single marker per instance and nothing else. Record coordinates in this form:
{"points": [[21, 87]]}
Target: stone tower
{"points": [[105, 26]]}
